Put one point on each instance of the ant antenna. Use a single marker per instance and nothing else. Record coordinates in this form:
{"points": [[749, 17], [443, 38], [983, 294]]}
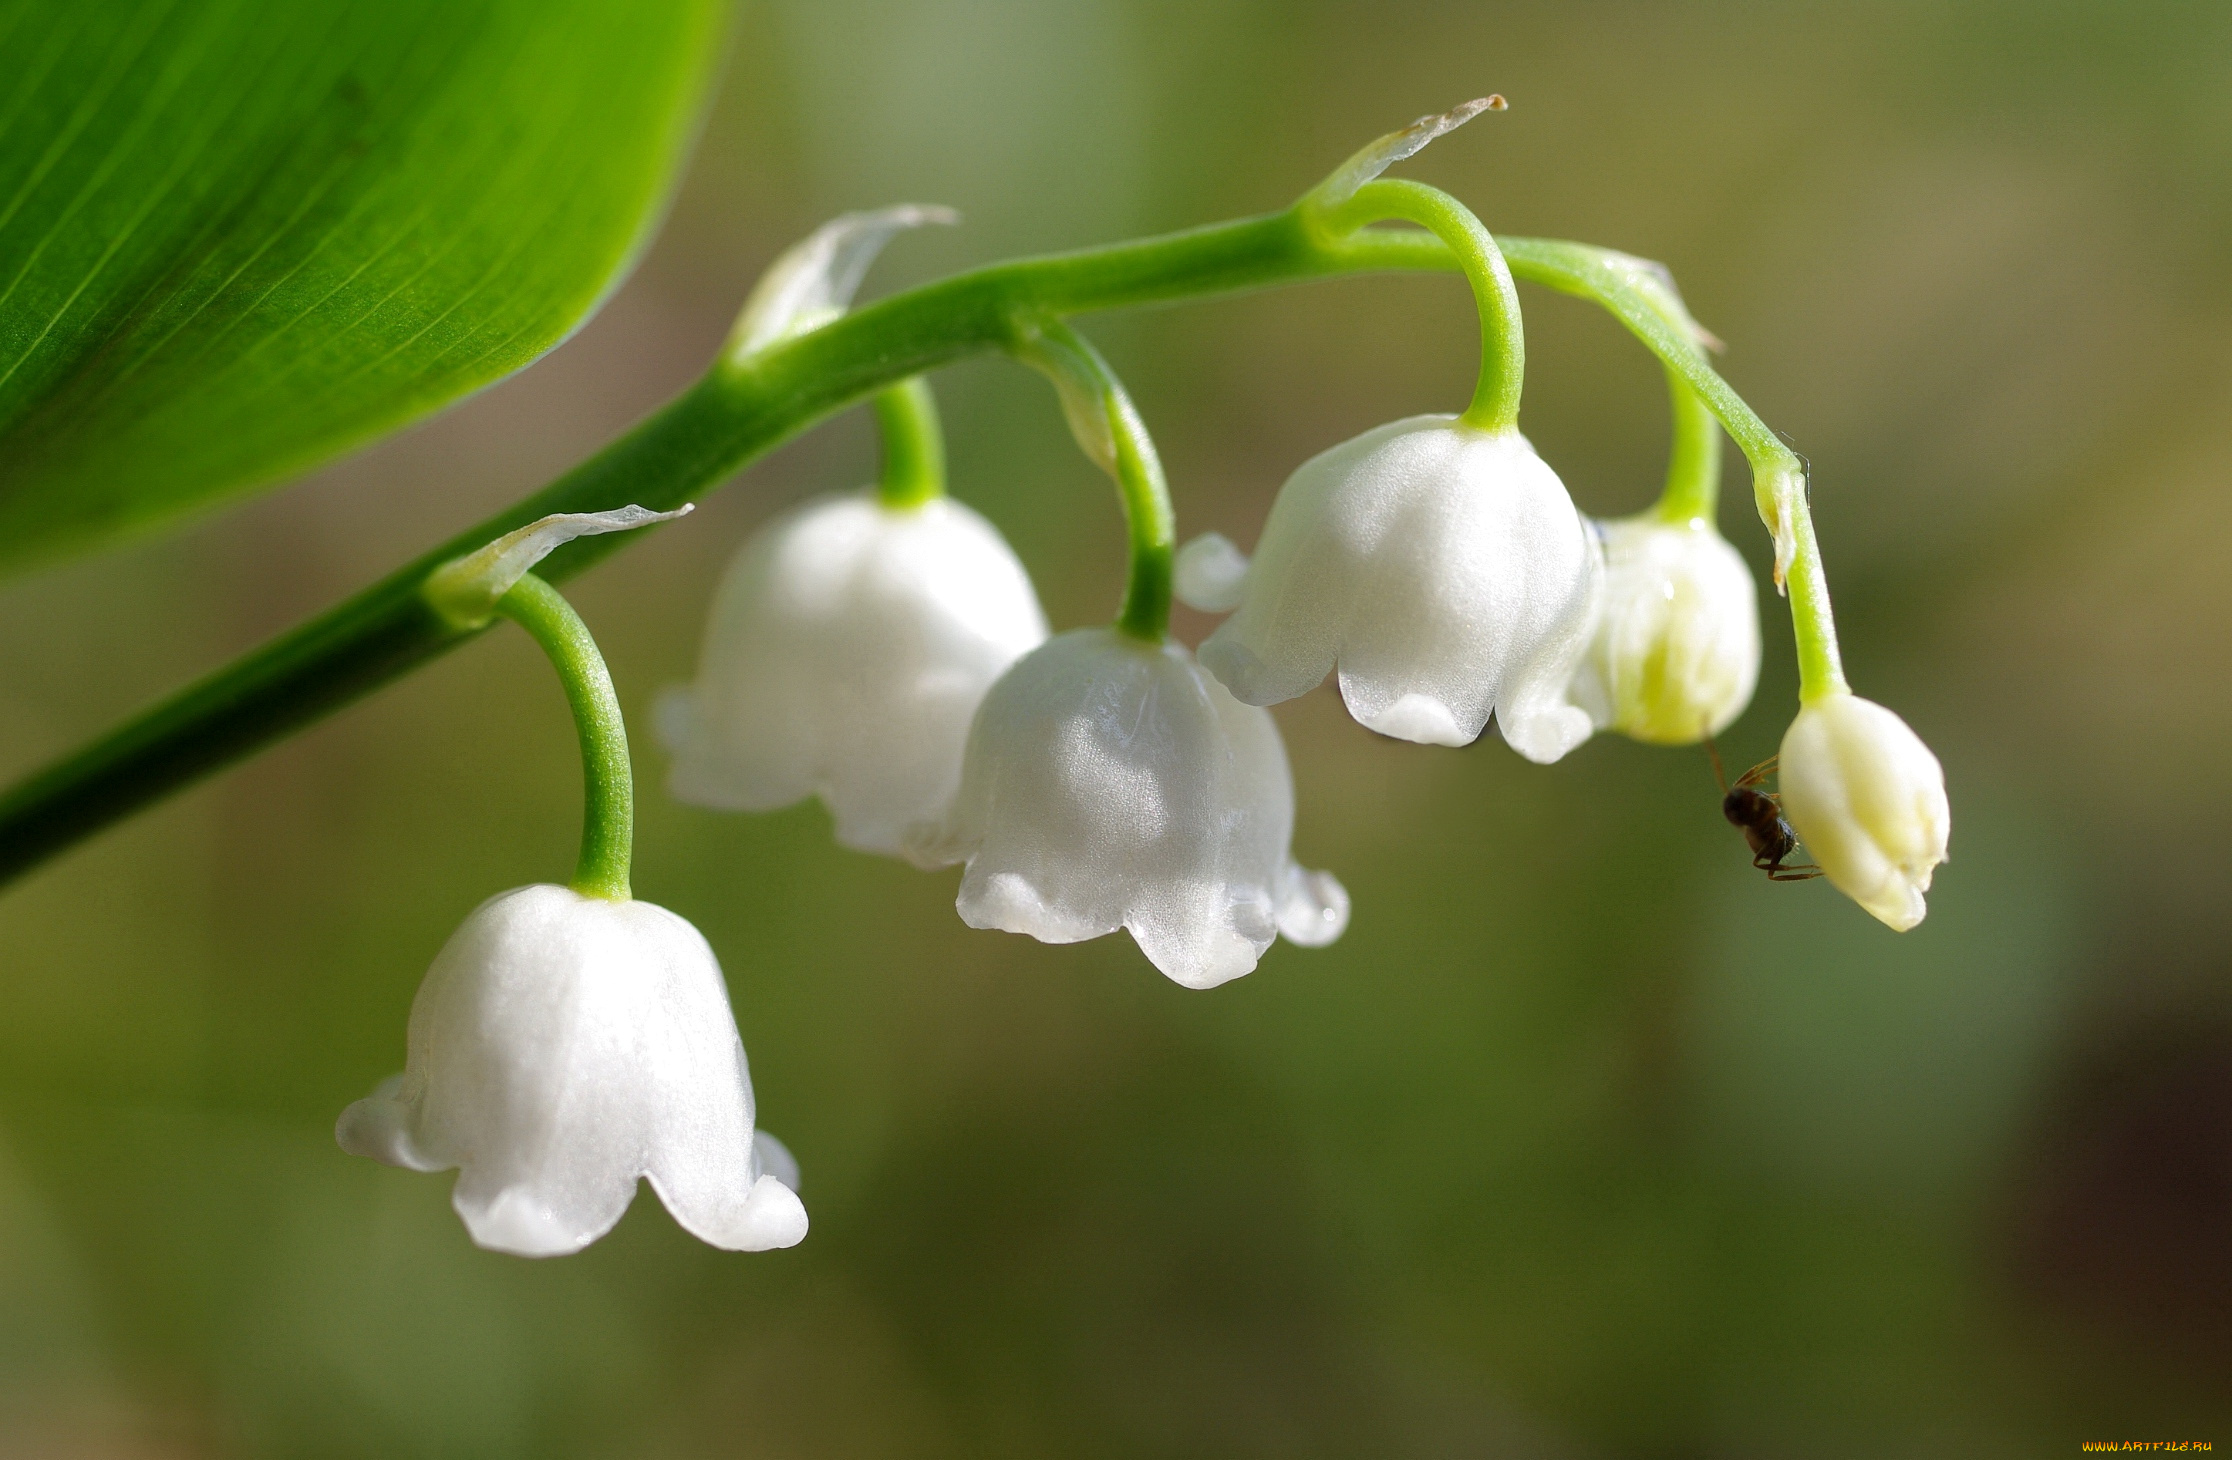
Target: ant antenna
{"points": [[1720, 777]]}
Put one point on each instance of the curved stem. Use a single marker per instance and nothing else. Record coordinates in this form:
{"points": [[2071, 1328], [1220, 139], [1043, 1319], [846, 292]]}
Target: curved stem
{"points": [[1109, 428], [1503, 345], [913, 446], [741, 409], [1639, 298], [608, 782], [1692, 491]]}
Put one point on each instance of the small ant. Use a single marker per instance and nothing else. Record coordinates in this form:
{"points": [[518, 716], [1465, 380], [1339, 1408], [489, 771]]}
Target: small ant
{"points": [[1758, 814]]}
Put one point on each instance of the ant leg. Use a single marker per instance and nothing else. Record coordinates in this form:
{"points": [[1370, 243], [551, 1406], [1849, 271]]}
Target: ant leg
{"points": [[1776, 871], [1758, 773]]}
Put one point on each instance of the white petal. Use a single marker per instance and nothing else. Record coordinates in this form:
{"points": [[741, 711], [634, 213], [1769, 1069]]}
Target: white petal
{"points": [[1313, 907], [848, 648], [378, 1127], [1420, 719], [1112, 784], [1209, 572], [1443, 569], [776, 1159], [561, 1048]]}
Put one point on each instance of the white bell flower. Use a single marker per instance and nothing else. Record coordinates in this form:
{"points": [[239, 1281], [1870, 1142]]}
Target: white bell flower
{"points": [[563, 1046], [847, 650], [1110, 783], [1442, 569], [1675, 655], [1867, 800]]}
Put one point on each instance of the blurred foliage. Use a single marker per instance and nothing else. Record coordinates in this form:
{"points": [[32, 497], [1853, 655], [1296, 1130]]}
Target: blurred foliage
{"points": [[1584, 1141]]}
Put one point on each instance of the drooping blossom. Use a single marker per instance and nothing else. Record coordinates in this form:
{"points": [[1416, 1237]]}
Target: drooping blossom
{"points": [[1110, 783], [563, 1046], [1675, 654], [1441, 569], [846, 652]]}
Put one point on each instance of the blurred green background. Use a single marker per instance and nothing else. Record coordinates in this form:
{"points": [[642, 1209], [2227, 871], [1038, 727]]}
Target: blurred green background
{"points": [[1585, 1141]]}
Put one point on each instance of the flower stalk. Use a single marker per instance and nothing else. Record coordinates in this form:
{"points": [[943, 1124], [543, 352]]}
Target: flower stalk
{"points": [[1692, 492], [1109, 429], [752, 400], [608, 782], [913, 445], [1503, 347]]}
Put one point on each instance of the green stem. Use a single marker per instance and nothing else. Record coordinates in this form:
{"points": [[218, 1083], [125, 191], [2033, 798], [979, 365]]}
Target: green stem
{"points": [[1692, 491], [1820, 662], [1109, 428], [1642, 303], [739, 411], [913, 446], [608, 783], [1503, 345]]}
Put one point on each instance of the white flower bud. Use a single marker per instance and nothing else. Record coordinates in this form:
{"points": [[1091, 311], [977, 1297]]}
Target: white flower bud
{"points": [[1676, 650], [1446, 573], [848, 648], [561, 1047], [1112, 784], [1867, 799]]}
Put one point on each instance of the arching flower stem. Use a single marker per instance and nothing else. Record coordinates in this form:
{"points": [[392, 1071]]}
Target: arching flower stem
{"points": [[1109, 429], [608, 783], [1503, 347], [745, 407], [1637, 295], [1692, 490], [913, 445]]}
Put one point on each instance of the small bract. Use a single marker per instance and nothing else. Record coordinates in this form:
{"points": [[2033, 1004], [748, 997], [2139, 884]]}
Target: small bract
{"points": [[563, 1046], [1443, 569], [847, 650], [1867, 799], [1110, 783], [1675, 655]]}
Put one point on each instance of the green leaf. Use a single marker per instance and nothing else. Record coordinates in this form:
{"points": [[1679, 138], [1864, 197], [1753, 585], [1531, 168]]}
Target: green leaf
{"points": [[238, 236]]}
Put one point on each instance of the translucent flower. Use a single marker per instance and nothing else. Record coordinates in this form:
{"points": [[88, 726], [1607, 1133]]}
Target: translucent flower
{"points": [[1867, 799], [1442, 569], [848, 647], [563, 1046], [1110, 783], [1676, 649]]}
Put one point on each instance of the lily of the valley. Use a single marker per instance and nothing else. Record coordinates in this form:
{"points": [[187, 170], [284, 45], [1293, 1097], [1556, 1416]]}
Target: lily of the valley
{"points": [[852, 638], [847, 650], [562, 1047], [1110, 783], [1867, 799], [1441, 569], [1675, 655], [1436, 563], [569, 1042]]}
